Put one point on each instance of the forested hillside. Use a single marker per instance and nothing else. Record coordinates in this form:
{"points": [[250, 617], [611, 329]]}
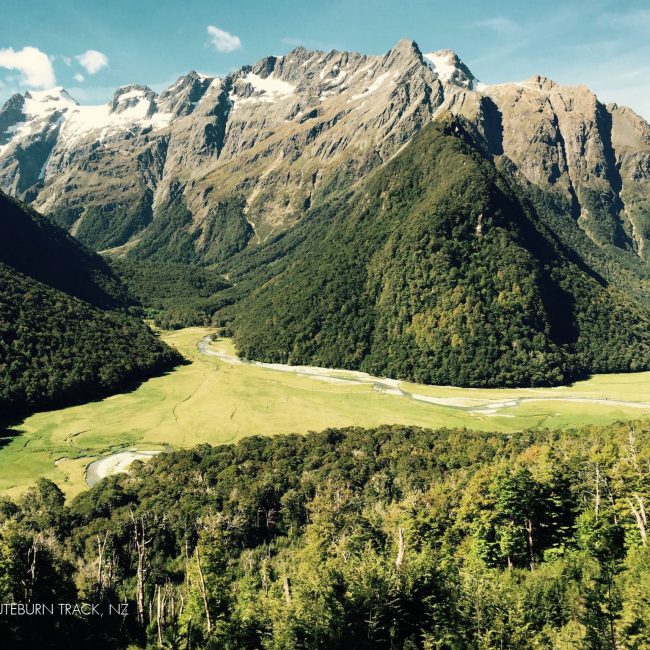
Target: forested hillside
{"points": [[437, 269], [395, 537], [174, 295], [65, 331], [36, 247]]}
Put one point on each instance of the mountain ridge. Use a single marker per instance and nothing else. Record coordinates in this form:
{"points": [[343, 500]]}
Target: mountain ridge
{"points": [[272, 137]]}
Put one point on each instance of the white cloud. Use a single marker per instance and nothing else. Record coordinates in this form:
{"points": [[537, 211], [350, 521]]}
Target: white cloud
{"points": [[92, 61], [66, 59], [223, 41], [79, 77], [35, 66]]}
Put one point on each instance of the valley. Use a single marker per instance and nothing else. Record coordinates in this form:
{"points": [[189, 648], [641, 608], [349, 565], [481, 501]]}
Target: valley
{"points": [[337, 350], [218, 399]]}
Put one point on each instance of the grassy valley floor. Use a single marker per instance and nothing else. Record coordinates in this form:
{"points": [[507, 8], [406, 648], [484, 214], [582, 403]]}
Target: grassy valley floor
{"points": [[214, 400]]}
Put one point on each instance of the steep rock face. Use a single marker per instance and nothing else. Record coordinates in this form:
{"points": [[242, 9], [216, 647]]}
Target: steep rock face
{"points": [[631, 144], [561, 138], [275, 138]]}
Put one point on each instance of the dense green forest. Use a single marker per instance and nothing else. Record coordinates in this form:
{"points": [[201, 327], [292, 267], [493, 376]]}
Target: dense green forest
{"points": [[56, 349], [396, 537], [174, 295], [66, 331], [437, 270]]}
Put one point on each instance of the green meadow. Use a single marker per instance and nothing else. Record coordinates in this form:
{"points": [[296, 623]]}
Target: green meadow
{"points": [[213, 401]]}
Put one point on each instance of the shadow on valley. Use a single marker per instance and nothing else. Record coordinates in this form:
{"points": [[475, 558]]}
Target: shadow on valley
{"points": [[15, 415], [7, 433]]}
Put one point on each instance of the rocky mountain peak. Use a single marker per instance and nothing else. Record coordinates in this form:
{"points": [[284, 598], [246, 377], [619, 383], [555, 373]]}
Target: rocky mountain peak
{"points": [[183, 96], [133, 95], [404, 54], [15, 101], [264, 67], [10, 115], [450, 69], [542, 83]]}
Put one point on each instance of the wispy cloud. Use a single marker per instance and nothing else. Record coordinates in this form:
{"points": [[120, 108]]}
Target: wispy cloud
{"points": [[78, 77], [498, 24], [34, 66], [639, 19], [92, 61], [223, 41]]}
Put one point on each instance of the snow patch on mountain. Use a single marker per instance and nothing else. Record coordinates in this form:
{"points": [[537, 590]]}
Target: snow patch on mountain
{"points": [[271, 88], [450, 69], [48, 109], [383, 79]]}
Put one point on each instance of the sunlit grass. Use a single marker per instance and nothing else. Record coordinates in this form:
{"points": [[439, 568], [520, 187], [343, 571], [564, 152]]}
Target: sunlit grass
{"points": [[212, 401]]}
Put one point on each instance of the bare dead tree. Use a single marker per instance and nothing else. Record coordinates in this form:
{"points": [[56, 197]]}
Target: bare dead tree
{"points": [[32, 553], [204, 593], [640, 516], [101, 563], [400, 548], [141, 540], [631, 439]]}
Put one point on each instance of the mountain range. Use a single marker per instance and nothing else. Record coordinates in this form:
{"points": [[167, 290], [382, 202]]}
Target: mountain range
{"points": [[210, 166], [390, 213]]}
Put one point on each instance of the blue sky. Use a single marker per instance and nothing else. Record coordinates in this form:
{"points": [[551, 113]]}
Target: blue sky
{"points": [[91, 47]]}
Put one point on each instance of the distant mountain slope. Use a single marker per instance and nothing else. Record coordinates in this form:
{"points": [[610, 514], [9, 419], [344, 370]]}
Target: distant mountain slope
{"points": [[59, 341], [34, 246], [436, 270], [213, 166]]}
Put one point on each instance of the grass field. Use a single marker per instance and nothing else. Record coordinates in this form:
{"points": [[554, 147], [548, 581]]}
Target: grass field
{"points": [[212, 401]]}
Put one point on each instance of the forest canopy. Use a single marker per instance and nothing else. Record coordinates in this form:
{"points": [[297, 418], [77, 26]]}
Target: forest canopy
{"points": [[395, 537]]}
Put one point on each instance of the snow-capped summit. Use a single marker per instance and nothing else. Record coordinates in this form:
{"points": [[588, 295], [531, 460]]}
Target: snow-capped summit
{"points": [[39, 102], [134, 96], [450, 69]]}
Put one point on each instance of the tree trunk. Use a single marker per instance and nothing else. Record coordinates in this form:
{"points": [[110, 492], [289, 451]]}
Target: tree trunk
{"points": [[141, 542], [158, 616], [641, 519], [287, 589], [597, 495], [101, 550], [203, 590], [529, 535], [400, 548]]}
